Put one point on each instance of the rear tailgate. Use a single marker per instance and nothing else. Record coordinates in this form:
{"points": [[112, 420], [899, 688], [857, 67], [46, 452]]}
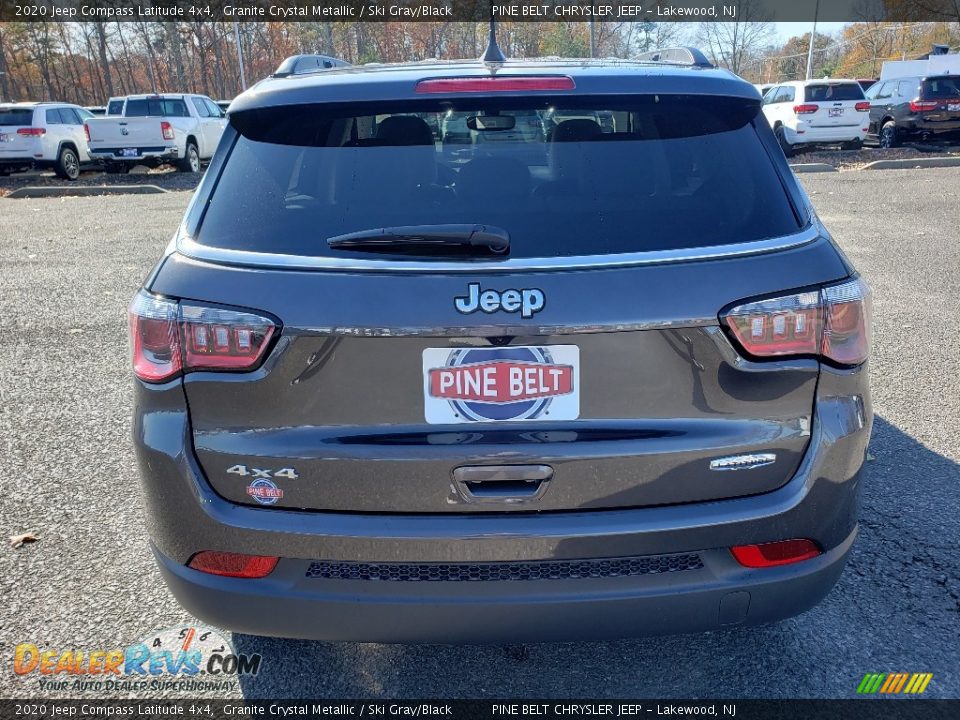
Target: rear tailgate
{"points": [[836, 104], [119, 134], [421, 384], [940, 96], [14, 144]]}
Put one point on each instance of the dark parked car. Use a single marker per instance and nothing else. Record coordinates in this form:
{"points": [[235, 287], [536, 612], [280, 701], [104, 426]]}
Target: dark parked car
{"points": [[390, 393], [915, 107]]}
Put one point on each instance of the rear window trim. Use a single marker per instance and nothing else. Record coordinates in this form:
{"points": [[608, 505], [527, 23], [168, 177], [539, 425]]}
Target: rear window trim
{"points": [[190, 248]]}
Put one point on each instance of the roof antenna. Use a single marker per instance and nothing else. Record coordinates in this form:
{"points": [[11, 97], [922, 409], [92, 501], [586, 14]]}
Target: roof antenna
{"points": [[493, 53]]}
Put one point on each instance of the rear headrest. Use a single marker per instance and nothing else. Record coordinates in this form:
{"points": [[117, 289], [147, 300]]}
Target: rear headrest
{"points": [[576, 130], [404, 130]]}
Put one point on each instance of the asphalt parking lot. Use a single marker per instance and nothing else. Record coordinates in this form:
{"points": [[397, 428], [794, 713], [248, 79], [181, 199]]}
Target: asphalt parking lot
{"points": [[67, 270]]}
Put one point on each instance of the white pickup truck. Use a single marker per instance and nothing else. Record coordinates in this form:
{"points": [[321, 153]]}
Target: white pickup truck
{"points": [[154, 130]]}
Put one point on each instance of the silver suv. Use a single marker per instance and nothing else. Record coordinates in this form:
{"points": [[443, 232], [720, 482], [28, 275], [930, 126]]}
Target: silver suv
{"points": [[390, 393]]}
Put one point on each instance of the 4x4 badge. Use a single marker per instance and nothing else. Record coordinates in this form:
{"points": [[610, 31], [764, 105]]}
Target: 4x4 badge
{"points": [[527, 301]]}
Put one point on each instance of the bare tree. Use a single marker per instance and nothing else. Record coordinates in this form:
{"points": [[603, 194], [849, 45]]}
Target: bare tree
{"points": [[102, 54], [733, 44]]}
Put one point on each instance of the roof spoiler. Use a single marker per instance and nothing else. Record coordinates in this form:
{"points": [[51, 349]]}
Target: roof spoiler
{"points": [[676, 56], [303, 64]]}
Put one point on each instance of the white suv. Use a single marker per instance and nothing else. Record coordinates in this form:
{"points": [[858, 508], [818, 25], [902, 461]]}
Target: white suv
{"points": [[43, 135], [817, 112]]}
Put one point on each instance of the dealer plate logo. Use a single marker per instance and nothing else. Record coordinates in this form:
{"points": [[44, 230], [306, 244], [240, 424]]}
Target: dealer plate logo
{"points": [[467, 385]]}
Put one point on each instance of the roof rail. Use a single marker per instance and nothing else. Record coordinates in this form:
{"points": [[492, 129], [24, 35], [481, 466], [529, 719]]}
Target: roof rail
{"points": [[684, 55], [303, 64]]}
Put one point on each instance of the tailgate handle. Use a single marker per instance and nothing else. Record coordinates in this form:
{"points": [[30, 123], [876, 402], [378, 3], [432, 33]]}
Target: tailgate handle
{"points": [[502, 483]]}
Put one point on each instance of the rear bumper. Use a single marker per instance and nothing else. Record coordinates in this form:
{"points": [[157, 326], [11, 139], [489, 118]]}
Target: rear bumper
{"points": [[290, 604], [820, 502], [155, 154], [817, 135], [15, 162], [920, 126]]}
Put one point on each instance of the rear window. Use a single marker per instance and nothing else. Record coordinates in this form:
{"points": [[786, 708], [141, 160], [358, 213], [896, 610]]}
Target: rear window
{"points": [[16, 116], [833, 91], [663, 172], [943, 87], [115, 107], [157, 108]]}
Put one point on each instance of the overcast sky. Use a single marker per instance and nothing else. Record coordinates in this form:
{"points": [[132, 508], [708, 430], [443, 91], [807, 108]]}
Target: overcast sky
{"points": [[787, 30]]}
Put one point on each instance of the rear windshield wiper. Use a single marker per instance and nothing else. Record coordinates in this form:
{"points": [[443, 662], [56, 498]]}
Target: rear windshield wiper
{"points": [[426, 240]]}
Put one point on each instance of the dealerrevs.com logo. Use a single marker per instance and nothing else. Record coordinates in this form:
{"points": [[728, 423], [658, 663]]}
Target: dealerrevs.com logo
{"points": [[185, 658]]}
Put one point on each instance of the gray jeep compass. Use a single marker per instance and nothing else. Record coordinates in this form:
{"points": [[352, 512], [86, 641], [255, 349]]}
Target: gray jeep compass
{"points": [[594, 381]]}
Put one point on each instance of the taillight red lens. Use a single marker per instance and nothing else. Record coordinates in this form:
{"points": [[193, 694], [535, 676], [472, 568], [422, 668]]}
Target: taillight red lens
{"points": [[236, 565], [154, 339], [789, 325], [34, 132], [167, 130], [86, 131], [832, 322], [214, 338], [783, 552], [168, 337], [846, 326], [805, 109], [863, 106], [918, 105], [495, 84]]}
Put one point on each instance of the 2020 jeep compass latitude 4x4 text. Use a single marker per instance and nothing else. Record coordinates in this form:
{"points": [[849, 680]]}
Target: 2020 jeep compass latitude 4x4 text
{"points": [[598, 382]]}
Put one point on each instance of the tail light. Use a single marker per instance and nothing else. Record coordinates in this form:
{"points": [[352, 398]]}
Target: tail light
{"points": [[863, 106], [31, 131], [495, 84], [168, 337], [154, 340], [783, 552], [832, 323], [219, 339], [229, 564], [805, 109], [86, 131], [918, 105], [167, 130]]}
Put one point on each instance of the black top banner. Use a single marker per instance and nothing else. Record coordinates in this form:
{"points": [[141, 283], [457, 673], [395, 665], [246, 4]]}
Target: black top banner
{"points": [[483, 10]]}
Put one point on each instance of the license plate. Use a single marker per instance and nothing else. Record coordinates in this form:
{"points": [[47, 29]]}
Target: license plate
{"points": [[128, 152], [835, 112], [509, 384], [953, 107]]}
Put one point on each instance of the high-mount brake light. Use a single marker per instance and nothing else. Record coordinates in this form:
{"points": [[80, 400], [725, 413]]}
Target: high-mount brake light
{"points": [[168, 337], [806, 109], [918, 105], [832, 322], [495, 84]]}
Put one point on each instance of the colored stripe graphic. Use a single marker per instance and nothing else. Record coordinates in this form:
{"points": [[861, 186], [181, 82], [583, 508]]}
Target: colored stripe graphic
{"points": [[894, 683], [871, 683]]}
